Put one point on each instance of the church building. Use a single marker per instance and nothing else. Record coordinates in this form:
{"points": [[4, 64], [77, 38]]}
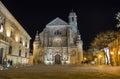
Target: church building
{"points": [[59, 43]]}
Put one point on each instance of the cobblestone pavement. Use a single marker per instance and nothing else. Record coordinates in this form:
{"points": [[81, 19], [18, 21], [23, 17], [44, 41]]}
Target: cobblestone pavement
{"points": [[61, 72]]}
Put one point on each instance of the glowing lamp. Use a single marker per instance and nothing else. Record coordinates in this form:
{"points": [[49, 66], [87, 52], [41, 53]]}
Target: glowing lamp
{"points": [[100, 56], [23, 43], [112, 53], [85, 58], [118, 52], [16, 38], [8, 33], [1, 29]]}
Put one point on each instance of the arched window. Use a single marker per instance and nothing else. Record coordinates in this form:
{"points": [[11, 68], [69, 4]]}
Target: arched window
{"points": [[57, 32], [25, 44], [10, 50], [25, 54], [20, 40], [19, 52], [72, 18]]}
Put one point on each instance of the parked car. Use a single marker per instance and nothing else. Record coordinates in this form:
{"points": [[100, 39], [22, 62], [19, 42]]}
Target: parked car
{"points": [[92, 62]]}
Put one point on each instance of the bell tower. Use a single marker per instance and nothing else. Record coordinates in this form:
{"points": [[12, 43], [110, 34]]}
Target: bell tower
{"points": [[36, 42], [36, 45], [73, 21]]}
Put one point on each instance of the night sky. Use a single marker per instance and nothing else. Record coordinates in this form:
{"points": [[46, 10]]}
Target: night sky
{"points": [[94, 16]]}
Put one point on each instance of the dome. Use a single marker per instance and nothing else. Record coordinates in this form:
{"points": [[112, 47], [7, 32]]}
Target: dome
{"points": [[72, 13]]}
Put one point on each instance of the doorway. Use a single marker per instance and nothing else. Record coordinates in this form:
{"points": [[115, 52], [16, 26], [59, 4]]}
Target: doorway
{"points": [[1, 55], [57, 59]]}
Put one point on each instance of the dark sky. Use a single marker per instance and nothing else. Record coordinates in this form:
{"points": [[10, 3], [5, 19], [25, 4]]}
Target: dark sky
{"points": [[94, 16]]}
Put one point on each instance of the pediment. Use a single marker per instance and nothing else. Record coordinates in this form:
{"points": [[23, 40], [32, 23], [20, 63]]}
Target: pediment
{"points": [[57, 21]]}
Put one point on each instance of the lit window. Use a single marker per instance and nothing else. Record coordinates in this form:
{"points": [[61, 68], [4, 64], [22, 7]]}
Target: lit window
{"points": [[16, 38], [8, 33], [1, 27]]}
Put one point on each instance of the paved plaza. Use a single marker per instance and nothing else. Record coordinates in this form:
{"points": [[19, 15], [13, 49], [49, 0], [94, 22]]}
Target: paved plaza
{"points": [[61, 72]]}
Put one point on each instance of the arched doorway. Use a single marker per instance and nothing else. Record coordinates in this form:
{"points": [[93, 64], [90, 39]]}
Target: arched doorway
{"points": [[1, 55], [57, 59]]}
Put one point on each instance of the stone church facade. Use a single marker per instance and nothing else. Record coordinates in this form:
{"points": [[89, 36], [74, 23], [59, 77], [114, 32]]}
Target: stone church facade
{"points": [[59, 43]]}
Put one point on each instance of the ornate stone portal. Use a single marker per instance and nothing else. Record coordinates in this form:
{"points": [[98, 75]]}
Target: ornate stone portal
{"points": [[59, 43]]}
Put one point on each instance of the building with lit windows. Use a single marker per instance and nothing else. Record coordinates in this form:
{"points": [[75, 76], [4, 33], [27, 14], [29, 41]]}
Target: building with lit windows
{"points": [[59, 43], [14, 40]]}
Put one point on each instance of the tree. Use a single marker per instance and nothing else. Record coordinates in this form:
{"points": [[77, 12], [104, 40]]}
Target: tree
{"points": [[104, 38], [118, 18]]}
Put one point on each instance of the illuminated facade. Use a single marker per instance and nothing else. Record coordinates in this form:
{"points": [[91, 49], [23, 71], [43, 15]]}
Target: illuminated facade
{"points": [[14, 40], [59, 43]]}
